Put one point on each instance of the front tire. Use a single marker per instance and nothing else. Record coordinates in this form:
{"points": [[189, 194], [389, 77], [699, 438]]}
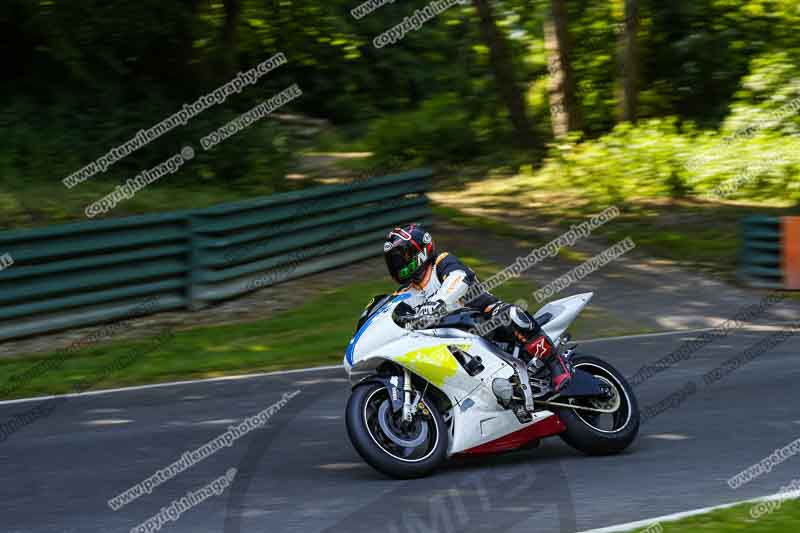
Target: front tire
{"points": [[585, 431], [375, 432]]}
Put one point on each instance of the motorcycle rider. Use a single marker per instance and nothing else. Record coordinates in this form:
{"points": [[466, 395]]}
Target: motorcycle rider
{"points": [[439, 283]]}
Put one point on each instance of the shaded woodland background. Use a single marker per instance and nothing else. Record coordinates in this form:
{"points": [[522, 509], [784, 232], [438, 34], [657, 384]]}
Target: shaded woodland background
{"points": [[612, 97]]}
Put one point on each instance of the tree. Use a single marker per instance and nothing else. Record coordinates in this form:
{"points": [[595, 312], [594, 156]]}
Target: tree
{"points": [[629, 61], [233, 11], [564, 109], [503, 70], [185, 35]]}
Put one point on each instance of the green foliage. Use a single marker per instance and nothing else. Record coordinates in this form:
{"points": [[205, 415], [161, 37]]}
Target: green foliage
{"points": [[439, 130], [46, 148], [643, 160], [83, 76], [769, 96], [658, 159]]}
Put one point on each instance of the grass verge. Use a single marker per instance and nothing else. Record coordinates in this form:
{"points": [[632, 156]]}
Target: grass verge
{"points": [[315, 333], [784, 517]]}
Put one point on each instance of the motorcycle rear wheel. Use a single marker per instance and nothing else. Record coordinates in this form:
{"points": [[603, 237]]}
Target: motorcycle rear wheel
{"points": [[589, 433]]}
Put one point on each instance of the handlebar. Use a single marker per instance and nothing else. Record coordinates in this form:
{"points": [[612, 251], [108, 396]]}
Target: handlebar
{"points": [[404, 315]]}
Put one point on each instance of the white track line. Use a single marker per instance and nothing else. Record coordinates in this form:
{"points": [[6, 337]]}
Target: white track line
{"points": [[685, 514], [170, 384], [643, 335], [777, 327], [311, 369]]}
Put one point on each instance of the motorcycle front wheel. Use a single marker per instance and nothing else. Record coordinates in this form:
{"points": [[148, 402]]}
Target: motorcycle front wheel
{"points": [[397, 449]]}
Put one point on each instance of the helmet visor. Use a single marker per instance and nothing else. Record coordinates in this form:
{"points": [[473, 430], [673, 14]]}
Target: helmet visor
{"points": [[402, 262]]}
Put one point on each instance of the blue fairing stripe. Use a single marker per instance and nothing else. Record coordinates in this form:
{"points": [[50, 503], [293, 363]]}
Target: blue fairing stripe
{"points": [[352, 346]]}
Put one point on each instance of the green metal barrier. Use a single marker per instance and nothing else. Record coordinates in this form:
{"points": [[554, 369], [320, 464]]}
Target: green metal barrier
{"points": [[92, 272], [761, 252]]}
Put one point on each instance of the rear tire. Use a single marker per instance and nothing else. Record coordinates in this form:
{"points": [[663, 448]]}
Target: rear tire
{"points": [[586, 436], [372, 444]]}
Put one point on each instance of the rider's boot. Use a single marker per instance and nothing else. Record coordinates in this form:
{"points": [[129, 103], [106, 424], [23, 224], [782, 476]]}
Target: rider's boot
{"points": [[560, 371], [537, 344], [542, 348]]}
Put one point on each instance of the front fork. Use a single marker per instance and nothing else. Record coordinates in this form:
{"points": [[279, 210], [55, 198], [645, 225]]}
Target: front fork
{"points": [[409, 405]]}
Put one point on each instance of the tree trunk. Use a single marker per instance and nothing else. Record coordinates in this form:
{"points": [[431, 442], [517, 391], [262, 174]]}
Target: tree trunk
{"points": [[233, 11], [186, 40], [503, 70], [629, 61], [564, 110]]}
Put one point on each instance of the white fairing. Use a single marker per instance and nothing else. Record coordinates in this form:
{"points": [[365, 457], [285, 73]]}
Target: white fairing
{"points": [[564, 312], [477, 417]]}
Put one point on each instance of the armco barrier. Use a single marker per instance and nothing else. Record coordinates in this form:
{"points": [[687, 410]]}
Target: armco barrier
{"points": [[99, 271], [770, 253]]}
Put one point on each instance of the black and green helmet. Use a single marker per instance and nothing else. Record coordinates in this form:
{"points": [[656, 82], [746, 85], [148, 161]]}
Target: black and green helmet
{"points": [[408, 251]]}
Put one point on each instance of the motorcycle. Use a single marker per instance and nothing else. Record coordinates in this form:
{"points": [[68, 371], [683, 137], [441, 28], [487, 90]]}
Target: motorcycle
{"points": [[423, 394]]}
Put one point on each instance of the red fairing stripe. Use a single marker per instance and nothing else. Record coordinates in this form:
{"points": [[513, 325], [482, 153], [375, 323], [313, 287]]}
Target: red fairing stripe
{"points": [[552, 425]]}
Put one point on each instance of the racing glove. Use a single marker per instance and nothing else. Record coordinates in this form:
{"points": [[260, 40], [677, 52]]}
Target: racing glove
{"points": [[429, 313]]}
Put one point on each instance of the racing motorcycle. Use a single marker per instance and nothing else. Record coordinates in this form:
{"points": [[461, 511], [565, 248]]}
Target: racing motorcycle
{"points": [[423, 394]]}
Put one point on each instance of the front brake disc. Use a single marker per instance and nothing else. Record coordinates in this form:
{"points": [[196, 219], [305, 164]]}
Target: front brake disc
{"points": [[388, 429]]}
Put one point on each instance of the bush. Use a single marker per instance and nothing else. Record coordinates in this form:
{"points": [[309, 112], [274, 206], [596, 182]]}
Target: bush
{"points": [[657, 158], [439, 130], [47, 147], [642, 160]]}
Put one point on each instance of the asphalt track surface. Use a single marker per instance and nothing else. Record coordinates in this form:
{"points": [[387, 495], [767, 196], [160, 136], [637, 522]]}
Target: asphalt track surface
{"points": [[299, 473]]}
